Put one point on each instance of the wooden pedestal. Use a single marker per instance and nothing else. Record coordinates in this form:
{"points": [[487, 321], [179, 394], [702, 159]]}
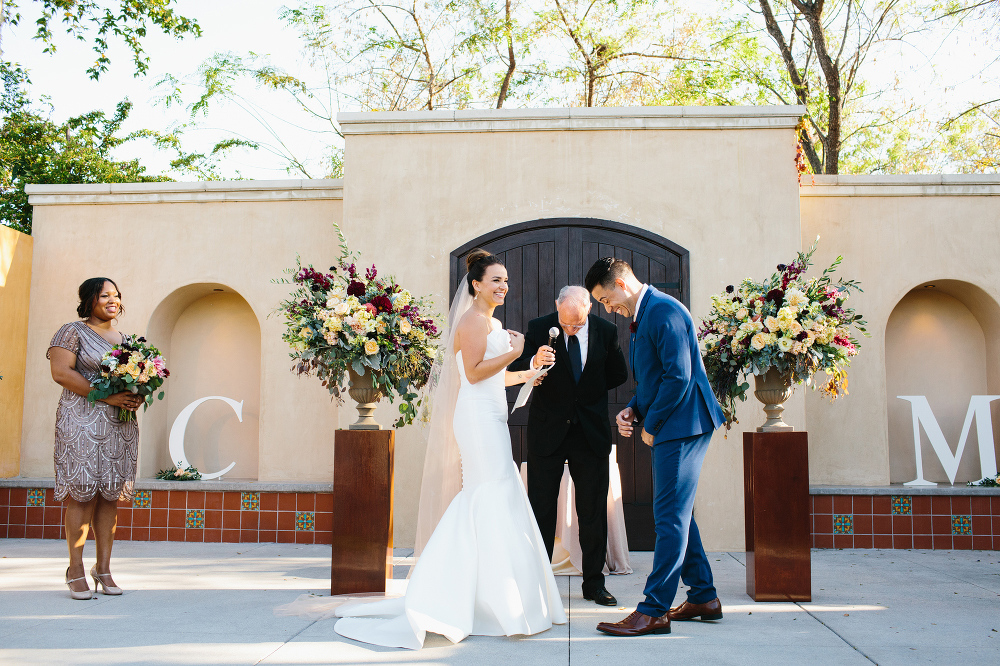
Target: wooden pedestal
{"points": [[776, 498], [362, 511]]}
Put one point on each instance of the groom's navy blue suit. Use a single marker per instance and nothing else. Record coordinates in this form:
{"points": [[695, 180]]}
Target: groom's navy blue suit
{"points": [[676, 405]]}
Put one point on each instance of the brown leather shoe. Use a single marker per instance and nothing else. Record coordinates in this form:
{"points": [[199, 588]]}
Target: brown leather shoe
{"points": [[637, 624], [688, 611]]}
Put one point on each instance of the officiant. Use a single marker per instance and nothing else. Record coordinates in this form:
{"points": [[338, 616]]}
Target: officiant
{"points": [[568, 423]]}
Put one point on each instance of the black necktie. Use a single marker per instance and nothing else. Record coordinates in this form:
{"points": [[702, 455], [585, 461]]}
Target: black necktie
{"points": [[575, 361]]}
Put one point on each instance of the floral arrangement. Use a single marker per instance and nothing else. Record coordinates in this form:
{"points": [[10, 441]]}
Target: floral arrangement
{"points": [[986, 482], [134, 366], [178, 473], [796, 325], [363, 321]]}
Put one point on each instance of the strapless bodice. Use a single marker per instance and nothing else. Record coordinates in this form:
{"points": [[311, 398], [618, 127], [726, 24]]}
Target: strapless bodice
{"points": [[497, 343]]}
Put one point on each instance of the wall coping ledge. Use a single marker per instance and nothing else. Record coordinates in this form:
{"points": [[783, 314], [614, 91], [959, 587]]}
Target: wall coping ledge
{"points": [[976, 184], [899, 489], [577, 118], [193, 192], [242, 485]]}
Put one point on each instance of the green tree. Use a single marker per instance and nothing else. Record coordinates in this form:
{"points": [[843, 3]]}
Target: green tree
{"points": [[101, 20], [34, 149]]}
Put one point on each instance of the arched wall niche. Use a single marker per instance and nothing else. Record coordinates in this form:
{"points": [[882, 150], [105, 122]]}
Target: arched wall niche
{"points": [[942, 341], [210, 337]]}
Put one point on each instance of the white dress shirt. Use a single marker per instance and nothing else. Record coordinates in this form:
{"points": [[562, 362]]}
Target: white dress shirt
{"points": [[638, 301]]}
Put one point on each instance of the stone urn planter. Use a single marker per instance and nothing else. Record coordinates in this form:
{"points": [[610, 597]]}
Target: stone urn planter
{"points": [[362, 389], [773, 389]]}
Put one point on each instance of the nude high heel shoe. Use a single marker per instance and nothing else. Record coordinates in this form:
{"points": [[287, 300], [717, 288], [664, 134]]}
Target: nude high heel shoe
{"points": [[88, 594], [105, 589]]}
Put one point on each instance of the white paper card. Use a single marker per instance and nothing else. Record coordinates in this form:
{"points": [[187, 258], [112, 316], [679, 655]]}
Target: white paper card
{"points": [[525, 392]]}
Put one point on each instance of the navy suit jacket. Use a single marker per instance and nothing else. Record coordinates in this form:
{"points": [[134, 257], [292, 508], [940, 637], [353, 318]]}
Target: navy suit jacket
{"points": [[672, 398]]}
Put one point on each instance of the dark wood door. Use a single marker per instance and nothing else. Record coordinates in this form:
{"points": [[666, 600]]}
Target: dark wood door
{"points": [[541, 257]]}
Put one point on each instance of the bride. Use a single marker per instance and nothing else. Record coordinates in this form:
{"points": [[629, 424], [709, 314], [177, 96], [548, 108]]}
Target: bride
{"points": [[482, 567]]}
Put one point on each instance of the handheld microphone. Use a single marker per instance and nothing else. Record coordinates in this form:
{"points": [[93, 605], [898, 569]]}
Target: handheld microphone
{"points": [[553, 334]]}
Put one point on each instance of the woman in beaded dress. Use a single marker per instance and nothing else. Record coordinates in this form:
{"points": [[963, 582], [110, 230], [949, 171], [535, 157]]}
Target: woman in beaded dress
{"points": [[95, 453]]}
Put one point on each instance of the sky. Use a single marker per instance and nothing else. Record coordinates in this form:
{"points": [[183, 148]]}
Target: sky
{"points": [[945, 70], [227, 25]]}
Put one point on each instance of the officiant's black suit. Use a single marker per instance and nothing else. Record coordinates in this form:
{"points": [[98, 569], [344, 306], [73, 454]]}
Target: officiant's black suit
{"points": [[568, 422]]}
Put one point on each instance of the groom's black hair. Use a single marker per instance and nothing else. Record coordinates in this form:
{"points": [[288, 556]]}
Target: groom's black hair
{"points": [[605, 271]]}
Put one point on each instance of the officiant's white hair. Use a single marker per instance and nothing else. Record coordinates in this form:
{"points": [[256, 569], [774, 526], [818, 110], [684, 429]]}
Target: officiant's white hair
{"points": [[575, 295]]}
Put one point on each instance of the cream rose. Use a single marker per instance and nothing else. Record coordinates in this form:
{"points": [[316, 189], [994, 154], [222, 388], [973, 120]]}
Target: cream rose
{"points": [[771, 323], [404, 326], [371, 347], [742, 313], [759, 341]]}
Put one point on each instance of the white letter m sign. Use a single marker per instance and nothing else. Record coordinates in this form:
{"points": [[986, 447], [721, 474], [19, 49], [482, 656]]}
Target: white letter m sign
{"points": [[979, 408]]}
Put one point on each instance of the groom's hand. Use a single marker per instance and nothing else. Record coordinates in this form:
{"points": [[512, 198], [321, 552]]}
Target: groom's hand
{"points": [[624, 422], [647, 439]]}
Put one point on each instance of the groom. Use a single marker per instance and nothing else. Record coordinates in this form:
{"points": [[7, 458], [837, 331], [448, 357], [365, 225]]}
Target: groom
{"points": [[568, 422], [679, 412]]}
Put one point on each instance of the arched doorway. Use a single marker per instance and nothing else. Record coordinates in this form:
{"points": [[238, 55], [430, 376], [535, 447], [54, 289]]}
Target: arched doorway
{"points": [[210, 337], [941, 342], [544, 255]]}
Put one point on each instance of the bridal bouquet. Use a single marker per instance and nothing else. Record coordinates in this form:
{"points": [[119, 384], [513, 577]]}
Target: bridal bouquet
{"points": [[796, 325], [349, 319], [134, 366]]}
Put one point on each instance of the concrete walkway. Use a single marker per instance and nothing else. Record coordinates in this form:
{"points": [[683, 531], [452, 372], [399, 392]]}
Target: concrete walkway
{"points": [[194, 603]]}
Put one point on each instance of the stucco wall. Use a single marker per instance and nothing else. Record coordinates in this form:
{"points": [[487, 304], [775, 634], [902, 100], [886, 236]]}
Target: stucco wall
{"points": [[723, 187], [896, 234], [15, 281], [170, 244]]}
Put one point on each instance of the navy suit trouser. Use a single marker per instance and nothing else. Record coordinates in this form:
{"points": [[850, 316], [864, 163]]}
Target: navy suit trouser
{"points": [[678, 554]]}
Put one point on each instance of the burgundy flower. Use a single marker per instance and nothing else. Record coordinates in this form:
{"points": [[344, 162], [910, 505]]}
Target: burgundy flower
{"points": [[632, 327], [356, 289], [371, 273], [776, 296], [801, 336], [382, 303]]}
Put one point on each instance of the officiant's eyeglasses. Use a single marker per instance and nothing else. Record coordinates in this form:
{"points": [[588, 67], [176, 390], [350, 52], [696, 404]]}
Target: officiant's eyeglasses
{"points": [[572, 326]]}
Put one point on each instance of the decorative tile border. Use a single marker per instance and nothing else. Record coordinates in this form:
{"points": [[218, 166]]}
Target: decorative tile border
{"points": [[36, 497], [249, 501], [922, 521], [843, 524], [902, 505], [195, 519], [142, 499], [305, 521], [185, 514], [961, 525]]}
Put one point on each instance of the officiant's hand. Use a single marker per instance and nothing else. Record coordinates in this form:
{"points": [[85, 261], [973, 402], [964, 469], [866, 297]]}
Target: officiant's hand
{"points": [[544, 356], [624, 422]]}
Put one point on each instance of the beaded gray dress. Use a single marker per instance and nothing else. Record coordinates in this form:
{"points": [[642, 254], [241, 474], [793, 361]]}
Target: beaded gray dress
{"points": [[94, 451]]}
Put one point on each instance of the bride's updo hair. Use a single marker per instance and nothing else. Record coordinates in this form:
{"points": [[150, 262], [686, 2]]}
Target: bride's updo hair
{"points": [[477, 261]]}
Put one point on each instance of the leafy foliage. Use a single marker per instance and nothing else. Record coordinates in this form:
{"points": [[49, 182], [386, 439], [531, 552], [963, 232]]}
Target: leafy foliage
{"points": [[794, 325], [128, 20], [353, 319]]}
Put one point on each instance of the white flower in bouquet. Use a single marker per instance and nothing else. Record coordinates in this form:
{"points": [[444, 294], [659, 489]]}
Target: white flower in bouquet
{"points": [[794, 297], [342, 309], [402, 299], [784, 344]]}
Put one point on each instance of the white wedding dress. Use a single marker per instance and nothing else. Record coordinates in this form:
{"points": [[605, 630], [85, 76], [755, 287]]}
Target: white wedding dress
{"points": [[484, 570]]}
